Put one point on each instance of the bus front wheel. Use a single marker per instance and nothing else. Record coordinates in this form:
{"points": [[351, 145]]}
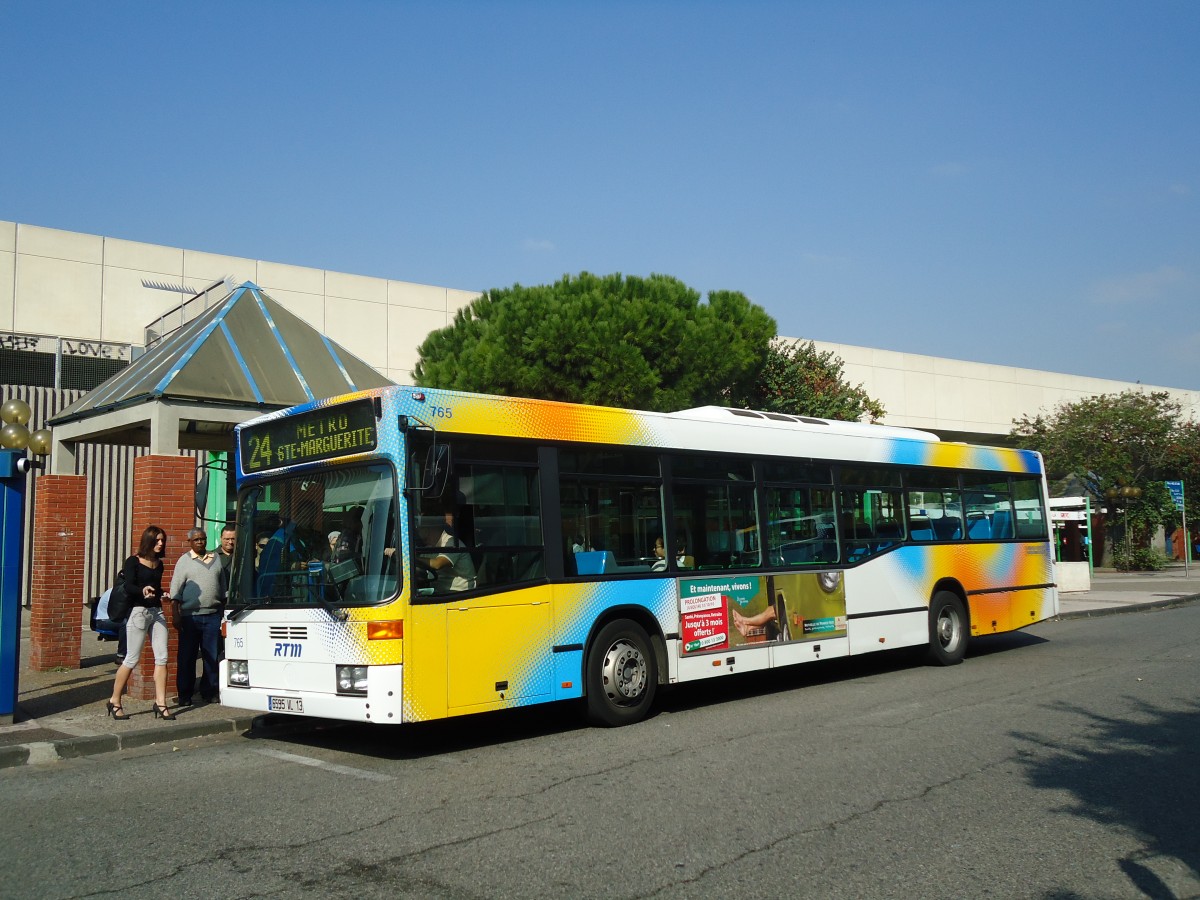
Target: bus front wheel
{"points": [[947, 629], [622, 675]]}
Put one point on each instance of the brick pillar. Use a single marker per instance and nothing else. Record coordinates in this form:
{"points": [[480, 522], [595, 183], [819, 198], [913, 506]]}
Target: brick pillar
{"points": [[56, 590], [164, 494]]}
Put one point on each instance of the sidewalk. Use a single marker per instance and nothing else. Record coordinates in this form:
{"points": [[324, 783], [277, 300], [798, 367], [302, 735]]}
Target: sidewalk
{"points": [[1116, 592], [61, 715]]}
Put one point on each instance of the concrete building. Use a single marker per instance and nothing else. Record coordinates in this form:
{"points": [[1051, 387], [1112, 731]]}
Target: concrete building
{"points": [[98, 300], [970, 401], [102, 294]]}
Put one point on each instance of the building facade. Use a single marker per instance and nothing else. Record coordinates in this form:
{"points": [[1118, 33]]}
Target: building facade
{"points": [[85, 304], [101, 294], [971, 401]]}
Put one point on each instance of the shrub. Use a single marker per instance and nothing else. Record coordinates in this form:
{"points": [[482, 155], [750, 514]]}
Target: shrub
{"points": [[1139, 559]]}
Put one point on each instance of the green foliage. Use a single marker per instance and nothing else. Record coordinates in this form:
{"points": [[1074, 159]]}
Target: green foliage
{"points": [[1138, 559], [1135, 438], [1187, 468], [642, 343], [798, 379], [1109, 439]]}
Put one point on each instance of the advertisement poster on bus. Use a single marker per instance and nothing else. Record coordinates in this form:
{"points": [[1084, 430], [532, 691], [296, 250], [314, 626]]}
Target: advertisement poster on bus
{"points": [[734, 611]]}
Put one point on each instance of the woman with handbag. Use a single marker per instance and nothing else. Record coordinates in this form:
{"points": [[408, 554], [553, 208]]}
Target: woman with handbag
{"points": [[143, 587]]}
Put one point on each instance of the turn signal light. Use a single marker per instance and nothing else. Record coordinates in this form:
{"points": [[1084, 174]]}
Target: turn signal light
{"points": [[388, 630]]}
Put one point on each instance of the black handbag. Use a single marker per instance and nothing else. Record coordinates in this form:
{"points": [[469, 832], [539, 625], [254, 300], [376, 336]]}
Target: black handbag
{"points": [[118, 600]]}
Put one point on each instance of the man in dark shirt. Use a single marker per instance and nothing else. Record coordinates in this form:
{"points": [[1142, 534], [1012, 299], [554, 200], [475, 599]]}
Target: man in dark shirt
{"points": [[225, 552]]}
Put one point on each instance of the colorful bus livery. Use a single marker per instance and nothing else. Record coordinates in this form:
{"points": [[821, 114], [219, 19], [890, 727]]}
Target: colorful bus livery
{"points": [[407, 554]]}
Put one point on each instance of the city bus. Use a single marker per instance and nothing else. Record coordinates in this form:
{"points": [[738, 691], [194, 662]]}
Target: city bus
{"points": [[407, 554]]}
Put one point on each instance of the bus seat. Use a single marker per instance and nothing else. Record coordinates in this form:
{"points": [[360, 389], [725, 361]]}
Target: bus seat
{"points": [[857, 550], [1002, 524], [947, 528], [919, 528], [979, 529], [888, 529], [595, 562]]}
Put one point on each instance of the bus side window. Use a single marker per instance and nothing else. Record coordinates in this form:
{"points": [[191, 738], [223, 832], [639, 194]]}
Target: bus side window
{"points": [[1030, 507], [800, 531], [491, 515], [611, 511], [722, 519], [868, 521]]}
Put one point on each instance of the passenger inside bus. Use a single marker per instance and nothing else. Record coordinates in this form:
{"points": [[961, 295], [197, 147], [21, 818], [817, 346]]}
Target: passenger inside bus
{"points": [[348, 545], [660, 553], [660, 556]]}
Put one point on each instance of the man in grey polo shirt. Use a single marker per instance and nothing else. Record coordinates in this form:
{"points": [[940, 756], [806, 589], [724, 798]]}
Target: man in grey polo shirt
{"points": [[197, 592]]}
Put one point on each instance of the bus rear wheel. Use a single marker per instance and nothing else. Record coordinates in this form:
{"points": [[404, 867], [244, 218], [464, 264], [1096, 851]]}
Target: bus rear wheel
{"points": [[622, 675], [948, 630]]}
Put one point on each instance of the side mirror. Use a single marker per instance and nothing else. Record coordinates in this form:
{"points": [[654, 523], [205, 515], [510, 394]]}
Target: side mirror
{"points": [[202, 485], [202, 495], [437, 470]]}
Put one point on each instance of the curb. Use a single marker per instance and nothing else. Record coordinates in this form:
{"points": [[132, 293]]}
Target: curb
{"points": [[95, 744], [92, 745], [1129, 608]]}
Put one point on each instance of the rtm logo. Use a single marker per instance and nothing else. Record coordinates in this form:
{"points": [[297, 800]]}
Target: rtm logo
{"points": [[282, 649]]}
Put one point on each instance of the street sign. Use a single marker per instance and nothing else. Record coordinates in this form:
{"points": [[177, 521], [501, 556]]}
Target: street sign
{"points": [[1176, 489]]}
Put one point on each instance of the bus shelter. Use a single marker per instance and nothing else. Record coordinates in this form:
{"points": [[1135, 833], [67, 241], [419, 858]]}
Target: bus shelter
{"points": [[1072, 521]]}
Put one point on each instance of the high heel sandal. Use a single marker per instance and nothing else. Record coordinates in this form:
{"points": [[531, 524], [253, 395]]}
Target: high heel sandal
{"points": [[161, 712], [115, 710]]}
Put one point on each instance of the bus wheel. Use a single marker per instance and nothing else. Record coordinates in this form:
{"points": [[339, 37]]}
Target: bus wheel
{"points": [[947, 629], [621, 675]]}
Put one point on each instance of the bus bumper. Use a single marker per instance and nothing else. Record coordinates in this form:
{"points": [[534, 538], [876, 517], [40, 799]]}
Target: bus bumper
{"points": [[382, 704]]}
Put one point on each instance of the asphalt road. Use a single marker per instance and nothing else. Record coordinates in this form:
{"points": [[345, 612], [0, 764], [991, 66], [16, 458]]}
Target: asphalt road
{"points": [[1059, 762]]}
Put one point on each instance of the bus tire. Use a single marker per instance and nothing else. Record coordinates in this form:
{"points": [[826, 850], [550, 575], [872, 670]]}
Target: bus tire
{"points": [[948, 629], [622, 675]]}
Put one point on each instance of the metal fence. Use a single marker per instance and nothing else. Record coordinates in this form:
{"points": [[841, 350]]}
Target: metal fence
{"points": [[61, 363], [189, 309]]}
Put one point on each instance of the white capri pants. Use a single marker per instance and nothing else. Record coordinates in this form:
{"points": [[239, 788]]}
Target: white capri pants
{"points": [[142, 619]]}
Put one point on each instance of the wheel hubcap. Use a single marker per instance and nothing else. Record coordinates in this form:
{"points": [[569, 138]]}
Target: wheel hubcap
{"points": [[948, 629], [624, 673]]}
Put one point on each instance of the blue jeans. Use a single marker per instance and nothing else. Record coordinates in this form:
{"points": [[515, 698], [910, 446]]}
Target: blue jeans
{"points": [[198, 636]]}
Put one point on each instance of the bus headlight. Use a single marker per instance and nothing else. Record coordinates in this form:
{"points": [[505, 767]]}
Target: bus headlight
{"points": [[352, 679], [239, 673]]}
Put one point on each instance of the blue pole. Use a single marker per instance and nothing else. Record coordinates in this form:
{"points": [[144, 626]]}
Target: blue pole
{"points": [[12, 533]]}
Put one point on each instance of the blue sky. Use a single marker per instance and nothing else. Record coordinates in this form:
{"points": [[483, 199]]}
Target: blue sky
{"points": [[1007, 182]]}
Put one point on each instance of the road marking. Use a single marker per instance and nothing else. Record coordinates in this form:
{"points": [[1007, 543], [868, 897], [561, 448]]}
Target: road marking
{"points": [[316, 763]]}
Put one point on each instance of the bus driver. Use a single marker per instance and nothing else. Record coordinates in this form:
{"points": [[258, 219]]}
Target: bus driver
{"points": [[451, 571]]}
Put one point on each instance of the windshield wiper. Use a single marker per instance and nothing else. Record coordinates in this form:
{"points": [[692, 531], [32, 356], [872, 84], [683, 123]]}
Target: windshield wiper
{"points": [[251, 603], [335, 612]]}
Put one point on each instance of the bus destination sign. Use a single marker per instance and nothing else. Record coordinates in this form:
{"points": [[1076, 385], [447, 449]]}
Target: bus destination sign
{"points": [[307, 437]]}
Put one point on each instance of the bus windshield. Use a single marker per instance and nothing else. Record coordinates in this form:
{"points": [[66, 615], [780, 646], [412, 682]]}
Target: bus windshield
{"points": [[326, 538]]}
